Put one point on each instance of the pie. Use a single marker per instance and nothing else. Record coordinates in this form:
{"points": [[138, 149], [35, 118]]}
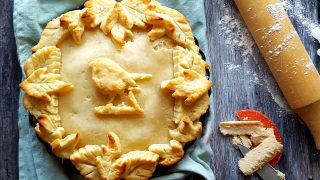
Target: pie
{"points": [[117, 87]]}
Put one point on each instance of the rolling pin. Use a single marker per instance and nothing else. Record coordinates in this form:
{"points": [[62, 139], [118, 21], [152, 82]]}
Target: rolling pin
{"points": [[286, 57]]}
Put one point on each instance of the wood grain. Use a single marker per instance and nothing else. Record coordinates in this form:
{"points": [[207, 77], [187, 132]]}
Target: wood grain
{"points": [[9, 79], [234, 91]]}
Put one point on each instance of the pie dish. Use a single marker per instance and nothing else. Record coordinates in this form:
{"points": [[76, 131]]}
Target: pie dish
{"points": [[117, 87]]}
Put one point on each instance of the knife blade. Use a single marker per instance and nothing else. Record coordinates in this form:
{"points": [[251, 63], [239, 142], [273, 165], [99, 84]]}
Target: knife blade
{"points": [[267, 172]]}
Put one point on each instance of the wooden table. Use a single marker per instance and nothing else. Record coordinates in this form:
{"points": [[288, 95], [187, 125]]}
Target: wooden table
{"points": [[243, 87], [247, 87]]}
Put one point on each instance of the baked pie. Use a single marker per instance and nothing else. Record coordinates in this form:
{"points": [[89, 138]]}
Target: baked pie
{"points": [[117, 87]]}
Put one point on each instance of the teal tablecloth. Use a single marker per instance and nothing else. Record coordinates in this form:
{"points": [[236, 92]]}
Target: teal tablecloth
{"points": [[35, 163]]}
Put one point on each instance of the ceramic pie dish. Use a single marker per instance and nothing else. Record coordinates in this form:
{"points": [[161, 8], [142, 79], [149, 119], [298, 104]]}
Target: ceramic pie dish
{"points": [[117, 87]]}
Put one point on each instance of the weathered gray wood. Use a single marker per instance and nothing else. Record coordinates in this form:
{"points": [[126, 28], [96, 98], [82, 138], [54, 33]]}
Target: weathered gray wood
{"points": [[233, 92], [9, 78]]}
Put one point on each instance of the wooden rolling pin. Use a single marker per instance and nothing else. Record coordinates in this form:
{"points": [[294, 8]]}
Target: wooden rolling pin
{"points": [[286, 57]]}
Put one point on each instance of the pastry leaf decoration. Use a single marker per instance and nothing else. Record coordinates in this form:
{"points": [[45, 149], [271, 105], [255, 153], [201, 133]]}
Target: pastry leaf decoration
{"points": [[139, 164], [41, 84], [51, 35], [47, 130], [95, 11], [49, 57], [117, 19], [113, 146], [184, 59], [99, 162], [114, 18], [52, 134], [164, 24], [169, 154], [109, 169], [38, 107], [191, 85], [105, 162], [84, 160], [186, 130], [118, 23], [74, 24], [65, 147], [187, 116]]}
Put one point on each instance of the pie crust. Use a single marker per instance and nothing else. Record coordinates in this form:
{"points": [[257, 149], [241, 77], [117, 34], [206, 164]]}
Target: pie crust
{"points": [[117, 87]]}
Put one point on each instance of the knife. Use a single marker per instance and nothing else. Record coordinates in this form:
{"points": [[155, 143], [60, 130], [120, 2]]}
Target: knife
{"points": [[267, 172]]}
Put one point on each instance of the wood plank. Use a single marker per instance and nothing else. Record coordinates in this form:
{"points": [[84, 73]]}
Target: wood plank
{"points": [[10, 77], [246, 86]]}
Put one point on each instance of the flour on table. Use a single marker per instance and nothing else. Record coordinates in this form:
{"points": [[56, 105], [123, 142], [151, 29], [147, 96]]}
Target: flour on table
{"points": [[295, 10], [255, 78], [313, 28], [236, 34], [276, 94], [232, 67]]}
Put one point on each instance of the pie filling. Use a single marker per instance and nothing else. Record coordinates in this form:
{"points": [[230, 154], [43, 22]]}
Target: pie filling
{"points": [[135, 131]]}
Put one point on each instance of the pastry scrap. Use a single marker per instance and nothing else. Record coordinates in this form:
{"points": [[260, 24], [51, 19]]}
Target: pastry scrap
{"points": [[118, 87], [253, 115], [241, 140], [248, 132], [253, 128], [281, 175], [260, 155]]}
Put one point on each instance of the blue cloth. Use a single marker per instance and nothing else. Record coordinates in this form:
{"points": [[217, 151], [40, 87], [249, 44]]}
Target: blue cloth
{"points": [[30, 17]]}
